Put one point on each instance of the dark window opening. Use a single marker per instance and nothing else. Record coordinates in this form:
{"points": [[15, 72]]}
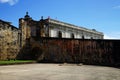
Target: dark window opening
{"points": [[38, 32], [82, 37], [72, 36], [59, 34]]}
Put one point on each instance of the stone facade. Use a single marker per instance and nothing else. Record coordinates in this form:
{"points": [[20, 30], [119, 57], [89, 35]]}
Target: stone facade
{"points": [[14, 40], [66, 50], [49, 40], [8, 41], [66, 30], [54, 28]]}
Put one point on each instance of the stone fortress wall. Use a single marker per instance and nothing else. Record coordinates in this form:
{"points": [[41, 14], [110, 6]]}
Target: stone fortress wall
{"points": [[54, 28], [8, 40], [49, 40]]}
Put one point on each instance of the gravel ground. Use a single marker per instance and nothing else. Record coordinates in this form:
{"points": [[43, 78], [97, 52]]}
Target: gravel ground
{"points": [[58, 72]]}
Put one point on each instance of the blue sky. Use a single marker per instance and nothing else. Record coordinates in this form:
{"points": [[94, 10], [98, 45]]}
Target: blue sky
{"points": [[102, 15]]}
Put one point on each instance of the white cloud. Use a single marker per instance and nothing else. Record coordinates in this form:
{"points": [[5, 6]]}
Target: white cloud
{"points": [[112, 36], [11, 2], [107, 37], [116, 7]]}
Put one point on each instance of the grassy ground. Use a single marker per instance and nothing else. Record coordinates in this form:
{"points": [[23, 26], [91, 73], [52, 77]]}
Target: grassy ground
{"points": [[16, 62]]}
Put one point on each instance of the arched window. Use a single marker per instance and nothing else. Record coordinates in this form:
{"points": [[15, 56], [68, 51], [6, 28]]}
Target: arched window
{"points": [[72, 36], [91, 37], [59, 34], [82, 36], [38, 31]]}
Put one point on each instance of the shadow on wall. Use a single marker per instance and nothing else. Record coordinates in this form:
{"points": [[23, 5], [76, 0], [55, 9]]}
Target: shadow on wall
{"points": [[30, 51], [44, 51], [100, 52]]}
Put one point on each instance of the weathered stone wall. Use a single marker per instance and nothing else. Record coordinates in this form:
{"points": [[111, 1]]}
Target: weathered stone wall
{"points": [[8, 41], [54, 28], [68, 30], [102, 52]]}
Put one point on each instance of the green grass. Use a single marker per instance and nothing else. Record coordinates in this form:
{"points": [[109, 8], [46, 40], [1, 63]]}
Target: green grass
{"points": [[16, 62]]}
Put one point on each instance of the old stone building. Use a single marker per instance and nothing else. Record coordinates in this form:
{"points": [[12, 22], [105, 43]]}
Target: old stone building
{"points": [[8, 40], [49, 40], [66, 30], [54, 28], [23, 39]]}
